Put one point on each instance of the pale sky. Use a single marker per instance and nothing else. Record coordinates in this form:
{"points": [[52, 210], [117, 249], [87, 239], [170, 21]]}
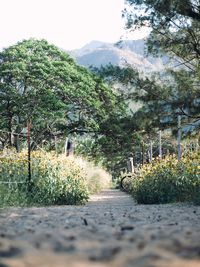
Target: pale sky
{"points": [[69, 24]]}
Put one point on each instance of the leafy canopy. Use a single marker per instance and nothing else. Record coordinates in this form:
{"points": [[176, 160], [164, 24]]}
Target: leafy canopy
{"points": [[175, 31], [40, 82]]}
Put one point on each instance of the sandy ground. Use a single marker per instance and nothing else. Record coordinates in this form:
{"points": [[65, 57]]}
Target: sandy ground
{"points": [[111, 230]]}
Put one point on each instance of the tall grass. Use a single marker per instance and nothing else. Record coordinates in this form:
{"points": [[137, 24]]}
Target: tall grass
{"points": [[96, 177], [55, 180]]}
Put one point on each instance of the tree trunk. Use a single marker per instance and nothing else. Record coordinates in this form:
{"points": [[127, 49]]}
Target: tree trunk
{"points": [[10, 116], [16, 136]]}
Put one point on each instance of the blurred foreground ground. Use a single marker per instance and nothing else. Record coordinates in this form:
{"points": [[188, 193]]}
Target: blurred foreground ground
{"points": [[111, 230]]}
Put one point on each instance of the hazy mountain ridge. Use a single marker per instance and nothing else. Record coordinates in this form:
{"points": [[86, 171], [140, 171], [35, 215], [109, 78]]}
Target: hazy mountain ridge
{"points": [[129, 52]]}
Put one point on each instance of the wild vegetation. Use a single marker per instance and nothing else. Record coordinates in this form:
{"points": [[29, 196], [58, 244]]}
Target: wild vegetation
{"points": [[174, 32], [46, 95], [167, 180], [56, 94], [111, 111], [55, 180]]}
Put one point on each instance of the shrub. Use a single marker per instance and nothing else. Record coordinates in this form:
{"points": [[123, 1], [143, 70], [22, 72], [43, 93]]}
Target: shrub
{"points": [[167, 180]]}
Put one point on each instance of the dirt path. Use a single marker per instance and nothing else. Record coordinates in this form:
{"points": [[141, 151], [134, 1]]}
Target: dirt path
{"points": [[111, 230]]}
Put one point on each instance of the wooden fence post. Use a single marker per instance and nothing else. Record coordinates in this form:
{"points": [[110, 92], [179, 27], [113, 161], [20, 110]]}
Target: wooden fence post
{"points": [[56, 144], [151, 151], [160, 144], [142, 143], [179, 138], [130, 164], [29, 153]]}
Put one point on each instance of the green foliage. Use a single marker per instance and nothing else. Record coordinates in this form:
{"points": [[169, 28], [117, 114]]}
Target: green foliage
{"points": [[115, 143], [161, 97], [167, 180], [174, 32], [55, 93]]}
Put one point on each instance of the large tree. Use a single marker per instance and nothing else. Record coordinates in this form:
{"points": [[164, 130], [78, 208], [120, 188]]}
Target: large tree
{"points": [[175, 27], [175, 31], [161, 98], [41, 83]]}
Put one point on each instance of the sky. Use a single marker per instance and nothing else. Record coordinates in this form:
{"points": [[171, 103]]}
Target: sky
{"points": [[69, 24]]}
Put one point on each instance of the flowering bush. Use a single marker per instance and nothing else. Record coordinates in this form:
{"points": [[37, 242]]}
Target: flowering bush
{"points": [[54, 180], [168, 180]]}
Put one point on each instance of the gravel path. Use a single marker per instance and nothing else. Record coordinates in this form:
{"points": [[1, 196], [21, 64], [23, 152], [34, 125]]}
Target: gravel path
{"points": [[111, 230]]}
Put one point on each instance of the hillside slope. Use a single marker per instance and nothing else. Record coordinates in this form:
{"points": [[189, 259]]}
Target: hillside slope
{"points": [[125, 52]]}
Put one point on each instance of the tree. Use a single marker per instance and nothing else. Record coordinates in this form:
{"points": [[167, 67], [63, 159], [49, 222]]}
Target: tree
{"points": [[41, 83], [174, 24], [175, 31], [135, 90], [161, 98]]}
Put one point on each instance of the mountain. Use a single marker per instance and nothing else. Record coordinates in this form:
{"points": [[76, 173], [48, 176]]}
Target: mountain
{"points": [[125, 52]]}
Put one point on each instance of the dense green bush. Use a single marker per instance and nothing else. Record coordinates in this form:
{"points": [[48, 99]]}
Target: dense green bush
{"points": [[55, 180], [167, 180]]}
